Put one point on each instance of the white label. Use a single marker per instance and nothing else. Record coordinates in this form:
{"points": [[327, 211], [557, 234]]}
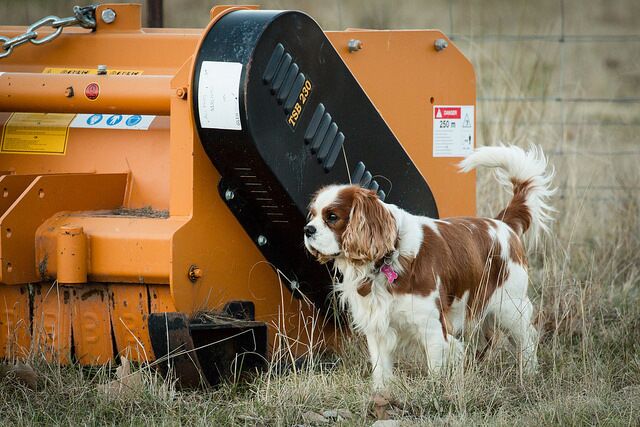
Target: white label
{"points": [[218, 91], [112, 121], [452, 130]]}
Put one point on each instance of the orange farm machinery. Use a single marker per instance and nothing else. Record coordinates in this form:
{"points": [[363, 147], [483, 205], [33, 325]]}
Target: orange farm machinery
{"points": [[148, 175]]}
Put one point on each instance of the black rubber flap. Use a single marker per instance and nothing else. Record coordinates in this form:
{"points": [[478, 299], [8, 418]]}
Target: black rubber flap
{"points": [[207, 349]]}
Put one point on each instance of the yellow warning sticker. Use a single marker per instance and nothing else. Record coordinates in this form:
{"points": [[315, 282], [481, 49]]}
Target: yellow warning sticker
{"points": [[36, 133], [87, 71]]}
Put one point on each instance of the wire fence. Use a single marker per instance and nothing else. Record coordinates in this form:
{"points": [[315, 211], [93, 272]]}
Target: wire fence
{"points": [[561, 40]]}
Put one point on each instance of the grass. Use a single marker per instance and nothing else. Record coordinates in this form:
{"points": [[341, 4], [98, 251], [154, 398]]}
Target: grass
{"points": [[585, 283]]}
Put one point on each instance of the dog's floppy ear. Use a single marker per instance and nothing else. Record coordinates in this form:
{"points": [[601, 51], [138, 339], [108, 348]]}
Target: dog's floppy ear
{"points": [[371, 233]]}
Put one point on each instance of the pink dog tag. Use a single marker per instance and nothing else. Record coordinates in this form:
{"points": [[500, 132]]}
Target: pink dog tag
{"points": [[389, 272]]}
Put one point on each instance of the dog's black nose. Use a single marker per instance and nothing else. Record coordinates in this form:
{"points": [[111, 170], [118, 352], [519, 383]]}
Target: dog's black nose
{"points": [[309, 230]]}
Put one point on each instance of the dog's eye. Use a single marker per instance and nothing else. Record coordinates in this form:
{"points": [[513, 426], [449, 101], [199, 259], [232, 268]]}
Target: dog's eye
{"points": [[331, 217]]}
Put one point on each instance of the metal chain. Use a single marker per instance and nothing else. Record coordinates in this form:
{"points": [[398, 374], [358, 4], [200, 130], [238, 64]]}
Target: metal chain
{"points": [[84, 16]]}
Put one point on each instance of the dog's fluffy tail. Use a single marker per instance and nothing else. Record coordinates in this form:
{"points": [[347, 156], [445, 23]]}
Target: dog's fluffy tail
{"points": [[526, 173]]}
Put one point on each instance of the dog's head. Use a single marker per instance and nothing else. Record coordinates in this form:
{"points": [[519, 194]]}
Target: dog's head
{"points": [[351, 222]]}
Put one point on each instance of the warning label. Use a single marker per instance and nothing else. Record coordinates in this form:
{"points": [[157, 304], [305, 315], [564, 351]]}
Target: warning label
{"points": [[83, 71], [218, 95], [452, 130], [35, 133], [112, 121]]}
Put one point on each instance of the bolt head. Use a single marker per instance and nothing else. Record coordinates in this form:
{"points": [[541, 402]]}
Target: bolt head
{"points": [[194, 273], [229, 195], [440, 44], [262, 240], [294, 285], [354, 45], [102, 69], [108, 16]]}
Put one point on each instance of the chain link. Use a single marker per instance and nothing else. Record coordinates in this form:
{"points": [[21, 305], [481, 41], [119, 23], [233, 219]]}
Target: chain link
{"points": [[84, 17]]}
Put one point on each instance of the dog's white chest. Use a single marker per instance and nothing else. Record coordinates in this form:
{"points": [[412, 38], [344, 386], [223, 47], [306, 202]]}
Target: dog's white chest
{"points": [[380, 309], [368, 312]]}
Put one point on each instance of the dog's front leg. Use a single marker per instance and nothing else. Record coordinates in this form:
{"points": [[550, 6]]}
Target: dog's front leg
{"points": [[381, 347]]}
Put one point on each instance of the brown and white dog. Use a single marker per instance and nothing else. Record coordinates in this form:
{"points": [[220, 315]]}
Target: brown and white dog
{"points": [[414, 280]]}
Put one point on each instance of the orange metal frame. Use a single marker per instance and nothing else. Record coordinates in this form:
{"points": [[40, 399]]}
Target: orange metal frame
{"points": [[138, 262]]}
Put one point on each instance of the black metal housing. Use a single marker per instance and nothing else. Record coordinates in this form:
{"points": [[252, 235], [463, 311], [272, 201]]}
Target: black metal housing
{"points": [[306, 123]]}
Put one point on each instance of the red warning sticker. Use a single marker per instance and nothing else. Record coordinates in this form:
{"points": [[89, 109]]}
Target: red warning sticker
{"points": [[447, 112], [92, 91]]}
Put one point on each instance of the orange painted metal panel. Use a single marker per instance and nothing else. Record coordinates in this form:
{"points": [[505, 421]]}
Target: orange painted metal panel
{"points": [[127, 18], [129, 317], [91, 325], [11, 187], [404, 76], [71, 258], [45, 196], [52, 322], [15, 321], [160, 299]]}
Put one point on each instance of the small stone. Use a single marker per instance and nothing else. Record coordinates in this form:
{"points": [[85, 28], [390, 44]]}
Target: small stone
{"points": [[24, 373]]}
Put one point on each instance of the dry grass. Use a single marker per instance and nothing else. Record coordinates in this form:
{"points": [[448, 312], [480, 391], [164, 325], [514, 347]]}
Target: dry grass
{"points": [[585, 277]]}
